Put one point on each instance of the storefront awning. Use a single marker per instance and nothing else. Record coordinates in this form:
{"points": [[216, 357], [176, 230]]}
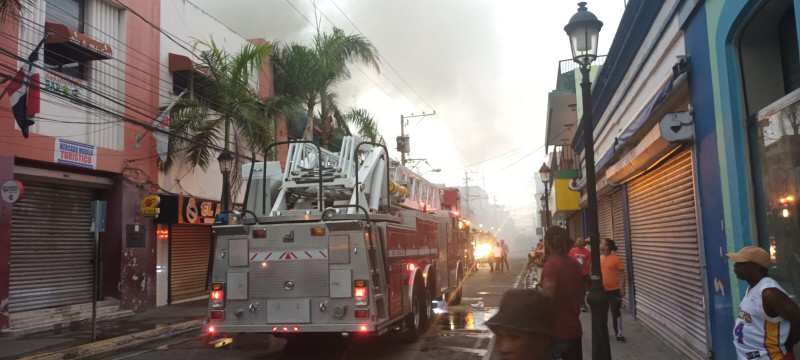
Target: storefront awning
{"points": [[664, 101], [73, 45], [179, 62]]}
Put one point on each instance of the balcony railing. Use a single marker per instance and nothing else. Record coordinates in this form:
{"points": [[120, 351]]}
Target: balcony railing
{"points": [[565, 66]]}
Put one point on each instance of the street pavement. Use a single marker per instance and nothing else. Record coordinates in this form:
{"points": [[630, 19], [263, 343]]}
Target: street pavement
{"points": [[459, 333]]}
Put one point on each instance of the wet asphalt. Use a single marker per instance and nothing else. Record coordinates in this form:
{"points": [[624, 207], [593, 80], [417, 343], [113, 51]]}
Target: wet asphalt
{"points": [[458, 333]]}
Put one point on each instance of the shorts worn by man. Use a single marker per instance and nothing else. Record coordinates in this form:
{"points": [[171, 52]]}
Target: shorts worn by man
{"points": [[768, 324], [523, 326]]}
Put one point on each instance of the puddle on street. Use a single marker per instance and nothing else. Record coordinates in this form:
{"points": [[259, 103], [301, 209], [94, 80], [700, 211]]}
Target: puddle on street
{"points": [[463, 318]]}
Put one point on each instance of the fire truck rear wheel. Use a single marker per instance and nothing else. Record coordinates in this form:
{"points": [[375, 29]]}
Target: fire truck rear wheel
{"points": [[416, 319], [455, 294]]}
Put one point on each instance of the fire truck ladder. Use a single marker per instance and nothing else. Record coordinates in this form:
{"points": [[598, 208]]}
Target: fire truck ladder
{"points": [[356, 175]]}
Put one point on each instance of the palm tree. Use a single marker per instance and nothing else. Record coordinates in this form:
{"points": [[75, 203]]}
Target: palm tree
{"points": [[13, 7], [336, 51], [226, 111], [310, 73], [366, 124]]}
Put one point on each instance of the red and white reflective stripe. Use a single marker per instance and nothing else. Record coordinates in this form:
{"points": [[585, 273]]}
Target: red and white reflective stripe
{"points": [[314, 254]]}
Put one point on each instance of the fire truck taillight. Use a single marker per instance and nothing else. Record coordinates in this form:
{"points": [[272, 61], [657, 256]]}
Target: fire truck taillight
{"points": [[217, 315], [296, 329], [411, 266], [318, 231], [363, 328], [259, 234], [362, 313], [212, 329], [217, 296], [274, 329], [360, 292]]}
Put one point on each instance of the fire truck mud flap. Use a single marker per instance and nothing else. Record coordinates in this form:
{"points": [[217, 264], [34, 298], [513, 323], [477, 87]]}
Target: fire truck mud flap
{"points": [[282, 311]]}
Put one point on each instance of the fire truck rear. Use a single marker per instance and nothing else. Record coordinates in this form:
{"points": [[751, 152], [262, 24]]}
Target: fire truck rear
{"points": [[349, 242]]}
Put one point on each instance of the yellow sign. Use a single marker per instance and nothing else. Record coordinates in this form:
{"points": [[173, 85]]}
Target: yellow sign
{"points": [[149, 206], [566, 198]]}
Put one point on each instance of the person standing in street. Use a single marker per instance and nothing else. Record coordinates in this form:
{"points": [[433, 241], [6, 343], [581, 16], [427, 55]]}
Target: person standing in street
{"points": [[768, 324], [584, 257], [613, 282], [561, 280], [504, 246], [497, 254], [523, 326]]}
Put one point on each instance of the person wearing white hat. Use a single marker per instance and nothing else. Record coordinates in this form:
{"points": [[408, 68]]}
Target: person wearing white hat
{"points": [[768, 324]]}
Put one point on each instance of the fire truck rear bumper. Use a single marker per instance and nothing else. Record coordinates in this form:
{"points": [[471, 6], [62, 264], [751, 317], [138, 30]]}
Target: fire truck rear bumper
{"points": [[296, 328]]}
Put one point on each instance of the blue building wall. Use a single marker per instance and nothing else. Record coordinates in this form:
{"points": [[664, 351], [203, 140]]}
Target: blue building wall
{"points": [[707, 177]]}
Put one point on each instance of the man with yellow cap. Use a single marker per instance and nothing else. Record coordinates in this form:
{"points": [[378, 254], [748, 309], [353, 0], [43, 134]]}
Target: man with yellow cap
{"points": [[768, 324]]}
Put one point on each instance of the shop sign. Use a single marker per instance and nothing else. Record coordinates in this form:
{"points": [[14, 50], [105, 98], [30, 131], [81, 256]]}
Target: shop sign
{"points": [[149, 206], [199, 211], [67, 86], [75, 153], [11, 191]]}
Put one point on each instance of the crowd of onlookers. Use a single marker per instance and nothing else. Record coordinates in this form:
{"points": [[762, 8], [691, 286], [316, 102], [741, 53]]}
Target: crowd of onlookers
{"points": [[544, 322]]}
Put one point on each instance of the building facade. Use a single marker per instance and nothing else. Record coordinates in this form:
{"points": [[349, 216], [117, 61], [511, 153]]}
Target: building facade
{"points": [[695, 125], [109, 68], [97, 83]]}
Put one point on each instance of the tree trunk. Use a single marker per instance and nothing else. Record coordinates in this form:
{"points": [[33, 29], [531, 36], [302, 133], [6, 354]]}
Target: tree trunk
{"points": [[308, 133], [325, 128]]}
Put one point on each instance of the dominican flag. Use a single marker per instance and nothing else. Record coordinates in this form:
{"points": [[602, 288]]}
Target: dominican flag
{"points": [[23, 91], [162, 122]]}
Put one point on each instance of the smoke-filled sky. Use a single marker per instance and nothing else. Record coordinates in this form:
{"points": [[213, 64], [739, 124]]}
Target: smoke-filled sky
{"points": [[484, 66]]}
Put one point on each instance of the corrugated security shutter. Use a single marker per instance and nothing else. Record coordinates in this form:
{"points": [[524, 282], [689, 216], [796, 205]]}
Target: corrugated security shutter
{"points": [[619, 235], [666, 257], [575, 225], [190, 248], [51, 248], [605, 218]]}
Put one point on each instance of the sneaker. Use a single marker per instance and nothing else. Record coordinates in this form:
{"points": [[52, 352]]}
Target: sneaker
{"points": [[621, 339]]}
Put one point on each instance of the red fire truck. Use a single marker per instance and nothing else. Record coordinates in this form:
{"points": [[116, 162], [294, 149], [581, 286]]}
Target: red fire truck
{"points": [[350, 242]]}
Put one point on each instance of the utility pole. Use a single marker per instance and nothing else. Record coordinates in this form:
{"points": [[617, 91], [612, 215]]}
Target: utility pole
{"points": [[466, 186], [403, 145]]}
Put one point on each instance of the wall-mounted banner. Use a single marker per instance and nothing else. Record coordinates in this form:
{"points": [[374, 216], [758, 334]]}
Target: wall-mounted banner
{"points": [[65, 85], [76, 154], [199, 211]]}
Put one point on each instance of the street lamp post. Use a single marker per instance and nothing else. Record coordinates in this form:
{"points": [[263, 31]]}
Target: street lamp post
{"points": [[225, 160], [545, 174], [583, 30]]}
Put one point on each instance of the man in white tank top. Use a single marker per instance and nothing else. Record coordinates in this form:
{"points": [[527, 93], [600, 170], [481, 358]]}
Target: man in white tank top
{"points": [[768, 324]]}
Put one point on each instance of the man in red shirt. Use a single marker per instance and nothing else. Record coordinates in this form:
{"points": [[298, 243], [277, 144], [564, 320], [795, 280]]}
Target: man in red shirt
{"points": [[561, 280], [584, 257]]}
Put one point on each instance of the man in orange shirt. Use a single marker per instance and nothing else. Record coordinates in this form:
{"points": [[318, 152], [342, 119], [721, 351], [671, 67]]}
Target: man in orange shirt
{"points": [[613, 282]]}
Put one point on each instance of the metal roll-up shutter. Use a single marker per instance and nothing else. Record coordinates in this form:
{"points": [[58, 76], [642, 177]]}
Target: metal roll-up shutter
{"points": [[666, 256], [578, 224], [605, 218], [52, 249], [618, 230], [190, 248]]}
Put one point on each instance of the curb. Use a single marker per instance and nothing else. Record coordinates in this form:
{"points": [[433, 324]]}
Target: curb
{"points": [[118, 343]]}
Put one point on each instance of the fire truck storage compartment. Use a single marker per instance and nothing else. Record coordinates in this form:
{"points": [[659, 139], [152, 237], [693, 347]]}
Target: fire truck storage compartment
{"points": [[190, 247], [52, 249]]}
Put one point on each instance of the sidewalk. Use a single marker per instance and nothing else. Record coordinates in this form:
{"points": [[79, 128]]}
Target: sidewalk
{"points": [[19, 346], [640, 342]]}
